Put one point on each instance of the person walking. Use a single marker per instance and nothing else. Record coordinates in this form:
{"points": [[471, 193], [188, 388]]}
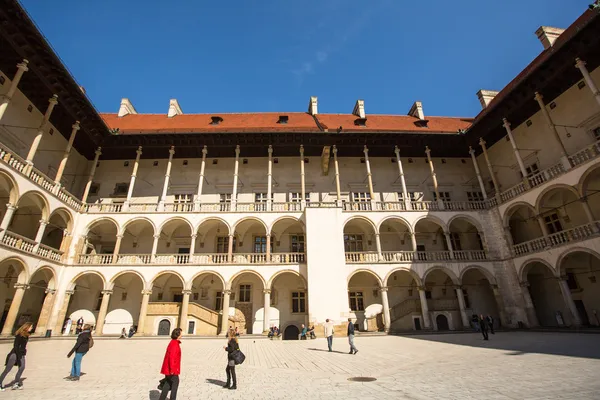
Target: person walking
{"points": [[475, 322], [17, 356], [171, 367], [490, 321], [232, 346], [84, 343], [79, 327], [353, 349], [484, 327], [329, 334]]}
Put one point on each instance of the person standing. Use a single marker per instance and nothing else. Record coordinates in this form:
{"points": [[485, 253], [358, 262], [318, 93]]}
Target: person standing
{"points": [[79, 328], [17, 356], [171, 367], [67, 327], [484, 327], [353, 349], [232, 345], [329, 334], [303, 332], [84, 343], [490, 321]]}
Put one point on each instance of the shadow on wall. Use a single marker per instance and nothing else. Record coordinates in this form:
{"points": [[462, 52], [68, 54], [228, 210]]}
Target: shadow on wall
{"points": [[521, 343]]}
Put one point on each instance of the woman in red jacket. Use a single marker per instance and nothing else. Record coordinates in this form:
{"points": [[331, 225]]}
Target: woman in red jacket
{"points": [[171, 367]]}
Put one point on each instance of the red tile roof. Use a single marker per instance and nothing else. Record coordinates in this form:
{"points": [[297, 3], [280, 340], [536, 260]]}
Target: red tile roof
{"points": [[393, 123]]}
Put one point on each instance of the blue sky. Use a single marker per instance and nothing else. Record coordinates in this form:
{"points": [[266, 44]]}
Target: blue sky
{"points": [[272, 55]]}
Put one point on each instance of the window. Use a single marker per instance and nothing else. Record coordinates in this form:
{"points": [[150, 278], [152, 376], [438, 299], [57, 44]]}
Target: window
{"points": [[358, 197], [219, 301], [297, 197], [298, 302], [428, 294], [455, 241], [183, 198], [474, 196], [357, 301], [191, 327], [121, 189], [297, 243], [283, 119], [572, 281], [596, 133], [223, 244], [532, 169], [412, 196], [353, 242], [553, 223], [225, 200], [444, 196], [216, 120], [124, 296], [245, 292], [94, 188], [195, 296], [155, 163], [260, 244], [30, 108], [204, 293]]}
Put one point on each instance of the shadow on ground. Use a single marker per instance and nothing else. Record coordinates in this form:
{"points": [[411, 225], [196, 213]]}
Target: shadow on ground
{"points": [[216, 382], [327, 351], [521, 343]]}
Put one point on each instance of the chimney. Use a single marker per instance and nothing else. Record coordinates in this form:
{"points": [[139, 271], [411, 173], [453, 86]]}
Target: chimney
{"points": [[126, 108], [359, 109], [174, 108], [313, 105], [486, 97], [417, 110], [548, 35]]}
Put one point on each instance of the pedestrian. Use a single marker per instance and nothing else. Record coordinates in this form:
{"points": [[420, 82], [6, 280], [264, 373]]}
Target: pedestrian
{"points": [[329, 334], [84, 343], [67, 326], [484, 327], [79, 325], [232, 346], [475, 322], [237, 332], [171, 367], [353, 349], [490, 321], [303, 332], [132, 330], [17, 356], [123, 334]]}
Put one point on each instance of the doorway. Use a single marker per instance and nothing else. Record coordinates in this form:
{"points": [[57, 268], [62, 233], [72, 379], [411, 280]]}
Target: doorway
{"points": [[164, 328], [291, 333], [442, 323]]}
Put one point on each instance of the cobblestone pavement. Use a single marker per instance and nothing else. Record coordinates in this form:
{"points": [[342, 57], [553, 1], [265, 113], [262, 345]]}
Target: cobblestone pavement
{"points": [[515, 365]]}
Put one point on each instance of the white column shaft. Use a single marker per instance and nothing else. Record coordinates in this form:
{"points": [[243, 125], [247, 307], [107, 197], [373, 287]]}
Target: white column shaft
{"points": [[515, 148], [387, 321], [566, 292], [462, 307], [136, 165], [489, 165], [88, 185], [36, 141], [185, 303], [235, 178], [6, 99], [225, 313], [580, 65], [302, 181], [63, 162], [424, 309], [478, 172], [270, 179], [10, 211], [540, 100], [201, 179], [369, 177], [267, 311], [337, 176], [167, 175]]}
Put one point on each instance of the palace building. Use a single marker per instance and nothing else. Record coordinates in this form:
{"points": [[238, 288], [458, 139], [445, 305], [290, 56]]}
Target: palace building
{"points": [[203, 221]]}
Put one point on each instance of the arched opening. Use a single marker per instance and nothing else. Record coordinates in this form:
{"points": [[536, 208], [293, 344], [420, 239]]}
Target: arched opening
{"points": [[582, 271], [59, 224], [251, 246], [523, 224], [174, 242], [32, 208], [247, 302], [546, 296], [291, 333], [165, 301], [33, 300], [289, 301], [8, 192], [289, 241], [404, 301], [465, 239], [206, 304], [12, 271], [430, 240], [396, 241], [441, 322], [124, 305], [164, 327], [561, 209], [101, 238], [86, 300], [590, 188], [137, 241], [364, 299], [360, 241], [212, 242], [441, 294], [479, 295]]}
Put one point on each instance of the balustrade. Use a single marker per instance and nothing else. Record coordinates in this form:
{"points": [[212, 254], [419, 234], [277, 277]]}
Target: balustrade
{"points": [[18, 242], [179, 207], [357, 206], [142, 207], [576, 234], [49, 252], [433, 256], [196, 259], [584, 155], [469, 255], [358, 257], [398, 256], [391, 206], [425, 206]]}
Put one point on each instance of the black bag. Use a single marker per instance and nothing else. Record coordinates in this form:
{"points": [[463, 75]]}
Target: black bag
{"points": [[161, 383], [238, 357]]}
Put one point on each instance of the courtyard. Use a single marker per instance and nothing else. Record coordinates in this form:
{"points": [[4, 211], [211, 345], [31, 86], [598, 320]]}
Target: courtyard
{"points": [[512, 365]]}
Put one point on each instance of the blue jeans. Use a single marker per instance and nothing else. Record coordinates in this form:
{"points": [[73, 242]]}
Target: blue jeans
{"points": [[76, 368], [330, 342]]}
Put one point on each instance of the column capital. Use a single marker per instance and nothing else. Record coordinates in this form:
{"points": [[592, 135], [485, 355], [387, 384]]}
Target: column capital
{"points": [[147, 292], [427, 151], [383, 289], [334, 150], [22, 286], [302, 150], [157, 236], [53, 100], [120, 236], [366, 150], [397, 150], [227, 292], [506, 123], [204, 151], [194, 236], [50, 291], [186, 292], [457, 287], [107, 292], [494, 286], [266, 291], [422, 288], [11, 207], [471, 151], [482, 142], [561, 278], [172, 151], [23, 65], [76, 126], [539, 97], [98, 152], [43, 222], [270, 150], [69, 292], [237, 150], [138, 152]]}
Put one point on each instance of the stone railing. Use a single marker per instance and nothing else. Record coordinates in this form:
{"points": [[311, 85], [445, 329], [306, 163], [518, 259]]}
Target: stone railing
{"points": [[465, 205], [134, 259], [18, 242], [433, 256], [93, 208], [404, 308], [141, 207], [443, 304], [285, 207], [214, 207], [546, 175], [425, 205], [391, 206], [49, 252], [513, 192], [469, 255], [190, 207], [370, 257], [398, 256], [96, 259], [179, 207], [287, 258], [582, 156], [359, 257], [186, 259], [357, 206], [558, 239], [171, 259]]}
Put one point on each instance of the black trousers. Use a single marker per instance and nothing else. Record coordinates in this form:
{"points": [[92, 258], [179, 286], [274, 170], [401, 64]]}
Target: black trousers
{"points": [[231, 378], [484, 332], [171, 384], [492, 328]]}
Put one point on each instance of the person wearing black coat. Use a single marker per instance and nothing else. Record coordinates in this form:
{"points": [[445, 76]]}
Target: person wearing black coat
{"points": [[84, 343], [232, 345], [17, 356], [484, 327]]}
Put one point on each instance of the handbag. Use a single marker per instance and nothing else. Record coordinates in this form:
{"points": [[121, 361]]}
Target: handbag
{"points": [[238, 357]]}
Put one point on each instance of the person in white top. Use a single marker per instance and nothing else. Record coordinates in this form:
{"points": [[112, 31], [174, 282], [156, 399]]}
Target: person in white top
{"points": [[329, 333]]}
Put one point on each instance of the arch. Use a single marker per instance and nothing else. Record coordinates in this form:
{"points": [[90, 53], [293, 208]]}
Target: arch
{"points": [[566, 253], [431, 218], [90, 272], [511, 210], [361, 218], [53, 275], [581, 184], [13, 191], [238, 222], [270, 231], [441, 322], [249, 271], [212, 219], [469, 218], [538, 201], [189, 285], [98, 221], [24, 275], [136, 219], [291, 271], [164, 327], [412, 273], [445, 270], [187, 222], [166, 272], [488, 275], [291, 332], [128, 271], [367, 271], [526, 266], [69, 219], [395, 217], [45, 206]]}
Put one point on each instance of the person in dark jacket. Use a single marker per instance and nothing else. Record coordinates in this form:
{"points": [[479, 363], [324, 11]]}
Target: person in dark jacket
{"points": [[171, 367], [232, 345], [17, 356], [353, 349], [484, 326], [490, 321], [84, 343]]}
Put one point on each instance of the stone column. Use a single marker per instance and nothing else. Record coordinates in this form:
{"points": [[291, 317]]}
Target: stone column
{"points": [[449, 244], [513, 143], [369, 177], [143, 311], [529, 307], [88, 185], [163, 197], [40, 235], [225, 313], [183, 319], [230, 249], [413, 241], [424, 308], [10, 211], [543, 226], [235, 178], [433, 177], [201, 179], [378, 244], [270, 180], [63, 162], [267, 310], [117, 249], [42, 322], [586, 208], [563, 152], [6, 99], [337, 177], [15, 305], [489, 165], [52, 102], [387, 320], [62, 313], [566, 292], [500, 303], [154, 248], [478, 173], [463, 309], [136, 164], [268, 249], [193, 246], [405, 195], [580, 65], [102, 313], [302, 181]]}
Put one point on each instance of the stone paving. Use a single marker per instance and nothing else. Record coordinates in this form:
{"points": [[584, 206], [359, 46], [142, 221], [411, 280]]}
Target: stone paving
{"points": [[512, 365]]}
